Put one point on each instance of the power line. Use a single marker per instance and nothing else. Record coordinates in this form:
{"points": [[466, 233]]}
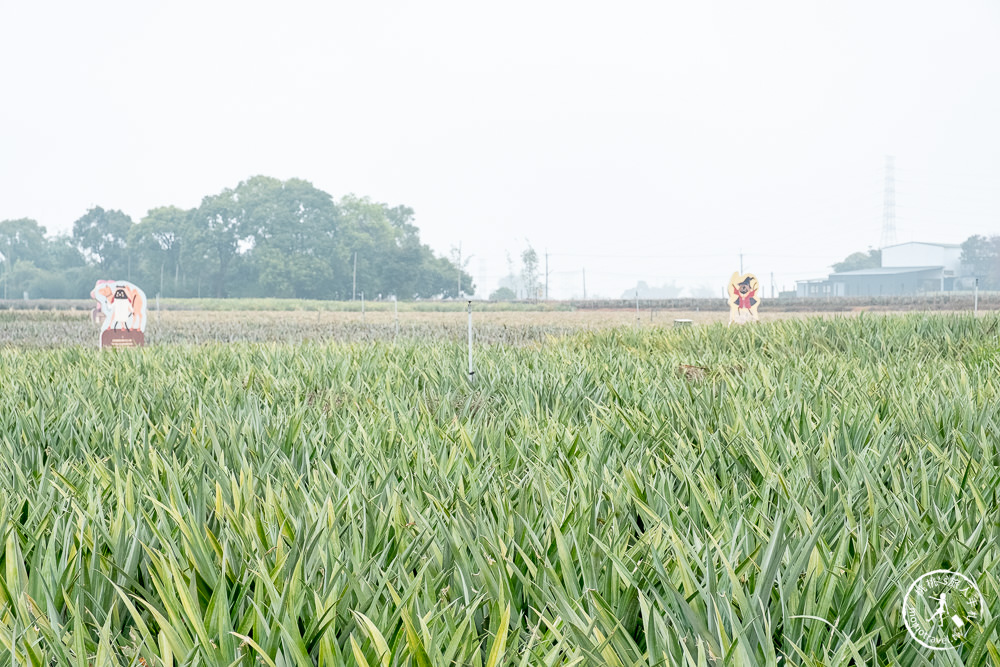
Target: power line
{"points": [[888, 206], [609, 256]]}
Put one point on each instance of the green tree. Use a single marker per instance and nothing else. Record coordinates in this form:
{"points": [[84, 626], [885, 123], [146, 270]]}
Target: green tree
{"points": [[981, 254], [860, 260], [69, 276], [461, 263], [278, 238], [529, 272], [21, 278], [438, 278], [63, 254], [391, 258], [32, 262], [23, 239], [666, 291], [295, 228], [219, 234], [102, 237], [158, 243], [265, 237], [368, 234], [503, 294]]}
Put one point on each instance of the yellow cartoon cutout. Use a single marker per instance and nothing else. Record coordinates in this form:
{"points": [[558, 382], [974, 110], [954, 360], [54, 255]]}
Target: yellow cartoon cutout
{"points": [[744, 297], [123, 306]]}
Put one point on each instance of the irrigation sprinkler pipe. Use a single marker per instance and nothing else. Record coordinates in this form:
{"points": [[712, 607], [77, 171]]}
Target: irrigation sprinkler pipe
{"points": [[472, 373]]}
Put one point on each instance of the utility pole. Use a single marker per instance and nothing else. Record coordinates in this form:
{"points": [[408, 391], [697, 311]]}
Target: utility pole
{"points": [[459, 295], [584, 284], [741, 261], [354, 289], [546, 275], [772, 284]]}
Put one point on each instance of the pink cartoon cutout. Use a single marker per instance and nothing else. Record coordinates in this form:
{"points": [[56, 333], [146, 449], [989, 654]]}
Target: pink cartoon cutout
{"points": [[123, 307]]}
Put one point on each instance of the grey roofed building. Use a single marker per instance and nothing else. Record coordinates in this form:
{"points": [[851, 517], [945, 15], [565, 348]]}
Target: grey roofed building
{"points": [[888, 280], [891, 279]]}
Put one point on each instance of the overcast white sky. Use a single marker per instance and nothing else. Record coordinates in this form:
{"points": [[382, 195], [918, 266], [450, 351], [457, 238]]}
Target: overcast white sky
{"points": [[639, 140]]}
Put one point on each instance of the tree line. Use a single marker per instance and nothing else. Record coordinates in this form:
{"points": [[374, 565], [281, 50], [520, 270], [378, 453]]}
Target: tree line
{"points": [[981, 254], [265, 237]]}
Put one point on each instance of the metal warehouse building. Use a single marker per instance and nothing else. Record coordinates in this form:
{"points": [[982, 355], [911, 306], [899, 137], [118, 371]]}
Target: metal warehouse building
{"points": [[907, 268]]}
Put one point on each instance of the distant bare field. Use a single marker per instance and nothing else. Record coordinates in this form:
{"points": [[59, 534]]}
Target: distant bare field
{"points": [[946, 301], [579, 319], [57, 328]]}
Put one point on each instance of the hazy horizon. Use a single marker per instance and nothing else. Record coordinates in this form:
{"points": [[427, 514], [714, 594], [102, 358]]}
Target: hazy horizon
{"points": [[646, 142]]}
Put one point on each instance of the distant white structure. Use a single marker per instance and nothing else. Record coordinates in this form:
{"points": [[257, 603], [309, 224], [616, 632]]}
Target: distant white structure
{"points": [[907, 268], [946, 255]]}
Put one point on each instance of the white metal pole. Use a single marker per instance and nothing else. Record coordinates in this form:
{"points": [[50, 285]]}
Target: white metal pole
{"points": [[472, 376], [975, 299]]}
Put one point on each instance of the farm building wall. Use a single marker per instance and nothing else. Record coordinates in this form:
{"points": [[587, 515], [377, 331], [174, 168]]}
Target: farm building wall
{"points": [[923, 254], [887, 284]]}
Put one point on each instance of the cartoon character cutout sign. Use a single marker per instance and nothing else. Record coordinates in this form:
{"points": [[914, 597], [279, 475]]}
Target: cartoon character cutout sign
{"points": [[124, 308], [744, 297]]}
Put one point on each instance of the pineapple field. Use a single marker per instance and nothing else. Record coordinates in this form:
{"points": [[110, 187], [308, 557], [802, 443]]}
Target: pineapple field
{"points": [[600, 495]]}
